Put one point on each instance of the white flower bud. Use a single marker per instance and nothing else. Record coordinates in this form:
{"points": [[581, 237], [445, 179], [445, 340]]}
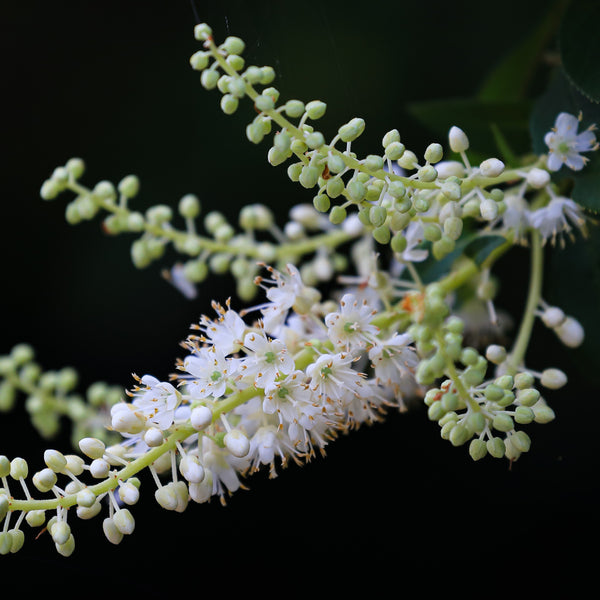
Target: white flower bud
{"points": [[89, 512], [553, 317], [306, 215], [237, 443], [129, 493], [459, 142], [201, 417], [125, 420], [18, 468], [113, 535], [570, 332], [86, 498], [495, 354], [553, 378], [154, 437], [44, 480], [99, 468], [55, 460], [166, 496], [488, 209], [92, 447], [124, 521], [492, 167], [450, 168], [538, 178], [191, 468], [36, 518], [60, 532]]}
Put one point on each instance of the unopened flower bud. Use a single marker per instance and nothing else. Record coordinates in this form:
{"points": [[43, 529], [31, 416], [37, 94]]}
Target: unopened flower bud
{"points": [[553, 317], [553, 378], [492, 167], [60, 532], [315, 109], [129, 493], [191, 468], [237, 443], [538, 178], [112, 533], [459, 142], [570, 332], [92, 447], [86, 498], [124, 521], [44, 480]]}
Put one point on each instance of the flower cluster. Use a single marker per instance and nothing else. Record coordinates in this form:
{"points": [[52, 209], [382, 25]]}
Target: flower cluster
{"points": [[275, 382]]}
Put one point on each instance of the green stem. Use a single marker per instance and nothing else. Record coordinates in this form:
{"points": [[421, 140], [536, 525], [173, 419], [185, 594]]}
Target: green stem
{"points": [[534, 293]]}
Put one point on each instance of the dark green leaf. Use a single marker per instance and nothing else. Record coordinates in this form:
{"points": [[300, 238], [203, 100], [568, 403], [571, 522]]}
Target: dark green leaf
{"points": [[476, 117], [580, 47], [481, 247], [510, 79]]}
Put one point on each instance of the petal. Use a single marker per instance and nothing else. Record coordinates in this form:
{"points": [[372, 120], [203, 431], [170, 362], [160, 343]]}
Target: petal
{"points": [[555, 161], [584, 142], [575, 161], [566, 125]]}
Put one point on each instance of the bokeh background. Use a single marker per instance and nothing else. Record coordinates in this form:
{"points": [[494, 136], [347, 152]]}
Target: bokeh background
{"points": [[392, 504]]}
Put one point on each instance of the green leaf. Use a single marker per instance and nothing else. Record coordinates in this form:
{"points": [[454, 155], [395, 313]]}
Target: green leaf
{"points": [[477, 118], [482, 246], [511, 78], [562, 96], [580, 47]]}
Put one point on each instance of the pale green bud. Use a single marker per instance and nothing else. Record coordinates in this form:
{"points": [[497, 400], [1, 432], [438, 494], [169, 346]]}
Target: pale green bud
{"points": [[570, 332], [453, 227], [503, 422], [60, 532], [475, 422], [112, 533], [436, 411], [356, 190], [408, 160], [493, 392], [477, 449], [4, 505], [434, 153], [276, 157], [382, 234], [553, 378], [36, 518], [321, 202], [4, 466], [199, 60], [506, 382], [55, 460], [524, 415], [450, 401], [209, 79], [189, 206], [86, 498], [524, 380], [492, 167], [202, 32], [294, 108], [335, 187], [92, 447], [17, 538], [373, 162], [124, 521], [294, 171], [315, 109], [459, 435], [282, 141], [315, 140], [233, 45], [309, 176], [377, 215], [395, 150], [267, 75], [252, 74], [229, 104], [521, 441], [391, 136], [264, 102], [19, 468], [5, 542], [351, 130], [432, 232], [337, 215], [427, 173], [528, 396], [543, 413], [398, 243], [495, 446], [236, 62], [495, 354], [451, 190]]}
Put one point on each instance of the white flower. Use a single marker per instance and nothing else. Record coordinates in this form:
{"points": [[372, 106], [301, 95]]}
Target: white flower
{"points": [[350, 327], [226, 332], [176, 276], [557, 217], [333, 380], [211, 372], [267, 359], [268, 443], [157, 401], [287, 396], [566, 144], [414, 237], [393, 360], [516, 216]]}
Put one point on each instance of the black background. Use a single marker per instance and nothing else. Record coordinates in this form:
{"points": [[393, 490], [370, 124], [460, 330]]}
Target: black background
{"points": [[390, 505]]}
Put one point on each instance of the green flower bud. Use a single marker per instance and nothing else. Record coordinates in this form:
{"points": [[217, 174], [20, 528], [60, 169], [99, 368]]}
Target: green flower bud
{"points": [[493, 392], [51, 189], [451, 190], [5, 542], [233, 45], [229, 104], [524, 415], [432, 232], [553, 379], [450, 401], [469, 357], [446, 427], [382, 234], [267, 75], [209, 79], [294, 108], [506, 382], [189, 206], [351, 130], [335, 187], [356, 190], [477, 449], [524, 380], [390, 137], [237, 63], [315, 109], [398, 243], [507, 399], [521, 441], [434, 153], [394, 150], [495, 446], [35, 518], [252, 74], [408, 160], [237, 87], [309, 176], [322, 203], [294, 171], [459, 142], [397, 189], [399, 221], [276, 157], [427, 173], [124, 521], [503, 422], [373, 162], [335, 163], [543, 413], [55, 460], [475, 422], [459, 435], [60, 532], [199, 60], [113, 535], [315, 140], [453, 227], [17, 538], [528, 396], [377, 215], [337, 215], [436, 411], [282, 141]]}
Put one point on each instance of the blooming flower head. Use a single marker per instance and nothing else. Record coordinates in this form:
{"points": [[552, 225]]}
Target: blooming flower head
{"points": [[266, 360], [210, 371], [350, 327], [226, 332], [557, 218], [566, 145]]}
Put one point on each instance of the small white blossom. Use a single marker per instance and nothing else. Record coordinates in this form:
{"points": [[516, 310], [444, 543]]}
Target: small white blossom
{"points": [[267, 359], [333, 380], [211, 371], [157, 401], [226, 332], [350, 327], [557, 218], [566, 145]]}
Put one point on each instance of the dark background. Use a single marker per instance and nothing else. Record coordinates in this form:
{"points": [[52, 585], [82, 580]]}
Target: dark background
{"points": [[390, 505]]}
